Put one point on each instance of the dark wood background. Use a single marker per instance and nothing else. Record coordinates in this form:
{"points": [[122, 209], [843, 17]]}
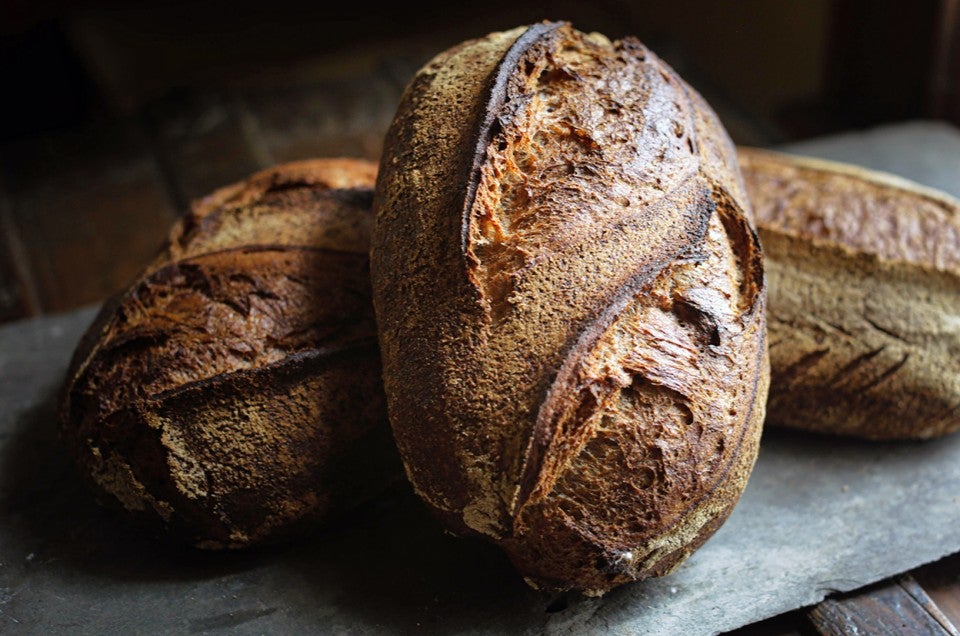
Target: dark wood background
{"points": [[115, 115]]}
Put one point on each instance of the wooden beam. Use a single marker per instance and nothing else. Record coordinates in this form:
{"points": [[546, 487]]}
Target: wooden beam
{"points": [[89, 207], [901, 607], [945, 81], [941, 581]]}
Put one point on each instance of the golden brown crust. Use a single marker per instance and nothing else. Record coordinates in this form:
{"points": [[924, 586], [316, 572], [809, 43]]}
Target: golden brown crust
{"points": [[865, 210], [864, 308], [315, 202], [570, 297], [225, 391]]}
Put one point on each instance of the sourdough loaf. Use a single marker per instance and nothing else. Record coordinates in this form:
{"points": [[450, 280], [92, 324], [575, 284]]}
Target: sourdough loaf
{"points": [[230, 392], [570, 302], [864, 308]]}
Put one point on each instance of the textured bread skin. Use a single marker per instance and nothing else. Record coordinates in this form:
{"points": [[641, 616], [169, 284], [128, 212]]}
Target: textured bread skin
{"points": [[230, 393], [570, 302], [322, 203], [864, 307]]}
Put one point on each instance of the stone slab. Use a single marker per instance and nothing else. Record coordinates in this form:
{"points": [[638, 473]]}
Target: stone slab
{"points": [[819, 515], [927, 151]]}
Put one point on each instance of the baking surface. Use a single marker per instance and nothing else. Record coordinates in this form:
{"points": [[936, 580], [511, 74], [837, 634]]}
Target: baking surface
{"points": [[927, 152], [818, 515]]}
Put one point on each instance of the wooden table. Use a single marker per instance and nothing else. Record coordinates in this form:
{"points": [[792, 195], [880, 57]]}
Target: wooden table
{"points": [[81, 211]]}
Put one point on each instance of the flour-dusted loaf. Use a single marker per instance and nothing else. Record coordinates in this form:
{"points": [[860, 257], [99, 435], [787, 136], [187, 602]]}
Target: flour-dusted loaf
{"points": [[232, 394], [864, 308], [570, 300]]}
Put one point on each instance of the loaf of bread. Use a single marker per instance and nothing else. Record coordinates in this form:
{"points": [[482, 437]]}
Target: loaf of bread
{"points": [[864, 308], [230, 393], [571, 303]]}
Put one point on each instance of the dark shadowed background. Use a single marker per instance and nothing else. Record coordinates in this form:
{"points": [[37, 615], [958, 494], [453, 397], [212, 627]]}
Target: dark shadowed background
{"points": [[116, 114], [794, 67]]}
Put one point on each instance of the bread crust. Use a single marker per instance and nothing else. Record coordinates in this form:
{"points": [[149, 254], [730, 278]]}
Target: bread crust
{"points": [[864, 272], [570, 301], [229, 393]]}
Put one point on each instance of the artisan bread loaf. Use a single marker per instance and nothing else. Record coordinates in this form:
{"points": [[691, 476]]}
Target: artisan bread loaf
{"points": [[864, 308], [570, 302], [231, 392]]}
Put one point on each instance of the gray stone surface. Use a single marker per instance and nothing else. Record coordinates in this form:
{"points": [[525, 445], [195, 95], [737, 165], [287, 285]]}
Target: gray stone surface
{"points": [[819, 515], [926, 151]]}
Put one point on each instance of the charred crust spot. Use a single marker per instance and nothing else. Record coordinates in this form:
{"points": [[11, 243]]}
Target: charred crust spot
{"points": [[635, 48]]}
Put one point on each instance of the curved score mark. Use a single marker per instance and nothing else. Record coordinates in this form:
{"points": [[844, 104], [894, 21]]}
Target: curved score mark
{"points": [[494, 106], [551, 410], [743, 241]]}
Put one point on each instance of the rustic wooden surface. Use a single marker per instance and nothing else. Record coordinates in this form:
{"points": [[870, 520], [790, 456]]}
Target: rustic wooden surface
{"points": [[88, 209], [82, 211], [899, 608]]}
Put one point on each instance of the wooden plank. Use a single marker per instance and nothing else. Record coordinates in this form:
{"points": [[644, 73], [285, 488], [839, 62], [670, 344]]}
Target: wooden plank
{"points": [[203, 143], [90, 207], [941, 581], [901, 607]]}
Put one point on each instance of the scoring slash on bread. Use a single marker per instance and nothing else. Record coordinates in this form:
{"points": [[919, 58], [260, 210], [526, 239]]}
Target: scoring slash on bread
{"points": [[570, 301], [864, 298], [231, 392]]}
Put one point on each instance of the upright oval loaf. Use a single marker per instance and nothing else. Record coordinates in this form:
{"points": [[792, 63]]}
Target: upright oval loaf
{"points": [[230, 393], [570, 301]]}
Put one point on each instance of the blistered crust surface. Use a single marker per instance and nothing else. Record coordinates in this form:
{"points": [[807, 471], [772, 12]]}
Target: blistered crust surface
{"points": [[652, 427], [586, 244], [222, 313], [866, 211], [320, 203]]}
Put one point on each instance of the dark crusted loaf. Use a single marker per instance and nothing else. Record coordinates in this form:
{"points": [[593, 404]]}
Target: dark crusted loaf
{"points": [[571, 304], [864, 310], [230, 392]]}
